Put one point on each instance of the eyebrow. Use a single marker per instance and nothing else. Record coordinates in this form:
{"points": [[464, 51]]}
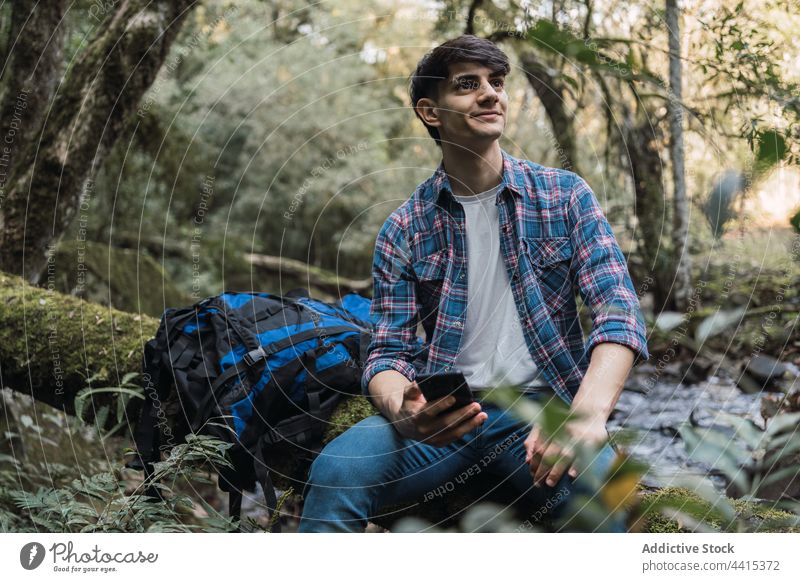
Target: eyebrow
{"points": [[457, 78]]}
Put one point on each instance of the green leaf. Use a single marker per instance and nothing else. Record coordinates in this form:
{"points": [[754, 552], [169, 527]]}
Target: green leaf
{"points": [[706, 447], [745, 428], [788, 449], [786, 472], [128, 378], [782, 422]]}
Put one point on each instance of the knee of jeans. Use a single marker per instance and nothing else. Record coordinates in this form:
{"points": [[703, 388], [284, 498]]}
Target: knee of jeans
{"points": [[327, 471], [352, 458]]}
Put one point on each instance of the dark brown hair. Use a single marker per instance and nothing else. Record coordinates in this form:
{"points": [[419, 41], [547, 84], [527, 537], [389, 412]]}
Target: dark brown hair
{"points": [[434, 67]]}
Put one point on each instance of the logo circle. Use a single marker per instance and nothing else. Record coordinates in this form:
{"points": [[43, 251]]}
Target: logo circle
{"points": [[31, 555]]}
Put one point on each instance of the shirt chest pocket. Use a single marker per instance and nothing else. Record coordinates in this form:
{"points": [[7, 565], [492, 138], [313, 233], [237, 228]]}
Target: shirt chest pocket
{"points": [[430, 271], [551, 259]]}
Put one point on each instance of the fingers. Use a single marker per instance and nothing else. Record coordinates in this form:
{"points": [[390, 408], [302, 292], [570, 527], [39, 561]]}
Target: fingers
{"points": [[543, 466], [459, 414], [547, 461], [552, 465], [531, 443], [452, 426], [555, 472], [435, 407], [456, 432]]}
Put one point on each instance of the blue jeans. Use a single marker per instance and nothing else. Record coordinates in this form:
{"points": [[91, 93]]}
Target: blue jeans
{"points": [[371, 466]]}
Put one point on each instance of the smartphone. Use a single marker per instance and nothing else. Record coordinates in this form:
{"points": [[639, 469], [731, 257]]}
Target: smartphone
{"points": [[435, 386]]}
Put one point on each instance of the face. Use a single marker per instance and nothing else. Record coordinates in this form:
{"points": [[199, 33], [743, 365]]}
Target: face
{"points": [[471, 106]]}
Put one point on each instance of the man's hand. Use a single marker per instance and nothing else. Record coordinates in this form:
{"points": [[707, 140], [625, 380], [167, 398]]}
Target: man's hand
{"points": [[548, 460], [598, 393], [421, 420]]}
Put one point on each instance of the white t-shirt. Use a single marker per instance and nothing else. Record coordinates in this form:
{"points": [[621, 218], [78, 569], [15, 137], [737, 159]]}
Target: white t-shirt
{"points": [[493, 349]]}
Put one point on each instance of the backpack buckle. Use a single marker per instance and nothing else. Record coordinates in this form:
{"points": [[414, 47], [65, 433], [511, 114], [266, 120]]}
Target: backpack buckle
{"points": [[253, 356]]}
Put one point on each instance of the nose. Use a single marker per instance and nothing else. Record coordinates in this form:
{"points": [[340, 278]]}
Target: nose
{"points": [[488, 93]]}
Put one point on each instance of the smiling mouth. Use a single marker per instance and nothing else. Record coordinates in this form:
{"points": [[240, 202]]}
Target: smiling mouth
{"points": [[492, 114]]}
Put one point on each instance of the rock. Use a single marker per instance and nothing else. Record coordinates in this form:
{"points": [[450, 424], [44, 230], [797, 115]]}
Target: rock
{"points": [[765, 368]]}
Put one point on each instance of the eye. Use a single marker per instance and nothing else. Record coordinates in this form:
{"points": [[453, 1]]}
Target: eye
{"points": [[467, 84], [499, 83]]}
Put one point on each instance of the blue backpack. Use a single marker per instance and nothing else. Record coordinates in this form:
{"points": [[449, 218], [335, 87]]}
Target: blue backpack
{"points": [[260, 371]]}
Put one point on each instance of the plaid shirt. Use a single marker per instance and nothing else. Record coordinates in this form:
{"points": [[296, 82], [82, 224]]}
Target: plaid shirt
{"points": [[554, 239]]}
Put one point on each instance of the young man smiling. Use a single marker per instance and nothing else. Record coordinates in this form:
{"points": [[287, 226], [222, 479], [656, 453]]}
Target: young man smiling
{"points": [[486, 254]]}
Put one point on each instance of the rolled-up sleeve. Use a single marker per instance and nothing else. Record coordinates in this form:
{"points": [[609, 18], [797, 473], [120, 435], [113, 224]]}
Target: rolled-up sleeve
{"points": [[394, 306], [602, 278]]}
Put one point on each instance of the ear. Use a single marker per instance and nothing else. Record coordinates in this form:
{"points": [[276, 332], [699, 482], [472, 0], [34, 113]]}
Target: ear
{"points": [[428, 112]]}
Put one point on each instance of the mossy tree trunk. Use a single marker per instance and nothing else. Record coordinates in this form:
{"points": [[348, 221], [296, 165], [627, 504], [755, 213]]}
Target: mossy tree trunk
{"points": [[552, 95], [100, 92], [51, 343], [34, 64], [643, 141]]}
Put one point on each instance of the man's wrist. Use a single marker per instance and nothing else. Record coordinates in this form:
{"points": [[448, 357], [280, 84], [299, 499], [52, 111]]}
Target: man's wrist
{"points": [[386, 389], [594, 414]]}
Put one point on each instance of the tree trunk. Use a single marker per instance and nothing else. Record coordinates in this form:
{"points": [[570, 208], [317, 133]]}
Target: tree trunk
{"points": [[31, 74], [100, 92], [551, 95], [51, 343], [680, 231], [642, 143]]}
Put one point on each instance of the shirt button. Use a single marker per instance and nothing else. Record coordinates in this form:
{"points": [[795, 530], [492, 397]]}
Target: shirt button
{"points": [[457, 324], [461, 276]]}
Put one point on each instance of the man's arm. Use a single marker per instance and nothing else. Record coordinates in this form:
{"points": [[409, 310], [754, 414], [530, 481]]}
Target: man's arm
{"points": [[618, 336], [602, 278], [393, 311], [388, 376], [598, 394], [618, 330], [600, 389]]}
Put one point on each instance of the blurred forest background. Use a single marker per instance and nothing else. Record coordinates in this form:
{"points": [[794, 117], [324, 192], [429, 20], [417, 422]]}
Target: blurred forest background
{"points": [[155, 153]]}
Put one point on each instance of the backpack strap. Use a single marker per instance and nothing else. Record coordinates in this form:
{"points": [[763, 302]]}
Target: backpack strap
{"points": [[302, 428], [265, 480], [365, 337], [235, 505], [261, 353], [146, 435]]}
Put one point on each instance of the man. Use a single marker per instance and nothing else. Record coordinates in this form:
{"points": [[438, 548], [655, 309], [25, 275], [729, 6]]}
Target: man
{"points": [[486, 255]]}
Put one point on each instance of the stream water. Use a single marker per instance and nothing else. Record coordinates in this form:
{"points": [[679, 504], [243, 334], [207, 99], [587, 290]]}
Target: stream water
{"points": [[656, 415]]}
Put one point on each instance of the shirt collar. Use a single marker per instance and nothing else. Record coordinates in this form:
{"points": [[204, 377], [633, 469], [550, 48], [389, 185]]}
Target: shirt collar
{"points": [[513, 178]]}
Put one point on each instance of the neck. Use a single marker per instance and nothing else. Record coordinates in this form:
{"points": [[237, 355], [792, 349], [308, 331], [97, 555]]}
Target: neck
{"points": [[472, 171]]}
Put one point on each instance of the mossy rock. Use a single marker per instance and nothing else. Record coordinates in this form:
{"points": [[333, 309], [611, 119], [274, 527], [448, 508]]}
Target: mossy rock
{"points": [[757, 517]]}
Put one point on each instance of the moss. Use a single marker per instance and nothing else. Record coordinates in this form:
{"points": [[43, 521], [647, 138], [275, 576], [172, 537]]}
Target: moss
{"points": [[349, 412], [50, 343], [757, 517]]}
